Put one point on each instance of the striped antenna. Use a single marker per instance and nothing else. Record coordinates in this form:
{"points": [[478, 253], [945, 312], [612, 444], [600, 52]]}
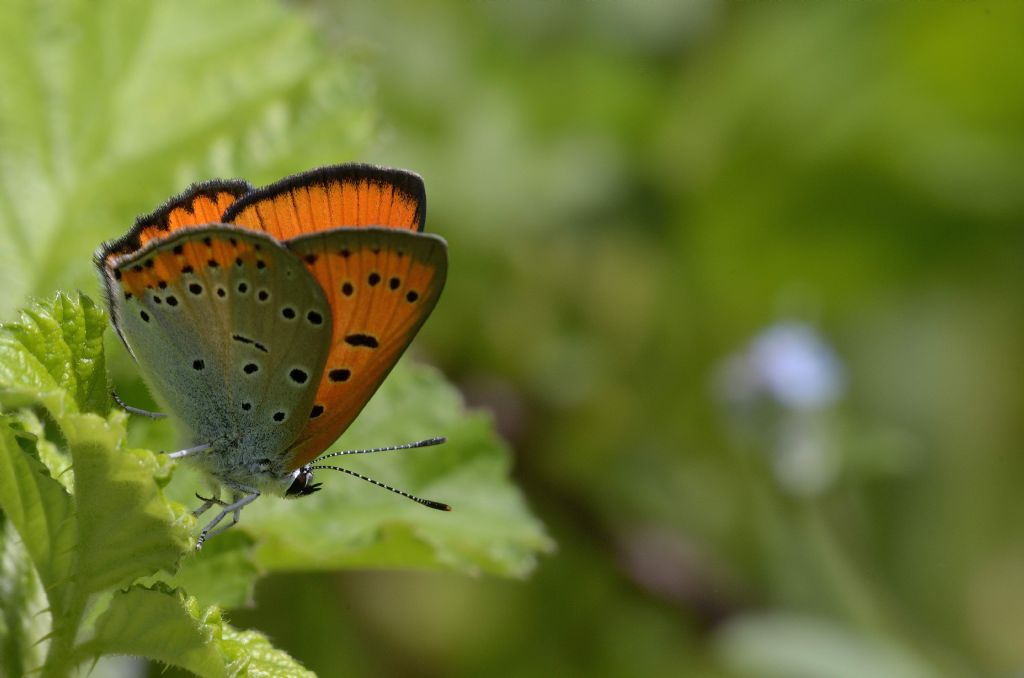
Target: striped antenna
{"points": [[408, 446], [426, 502], [392, 448]]}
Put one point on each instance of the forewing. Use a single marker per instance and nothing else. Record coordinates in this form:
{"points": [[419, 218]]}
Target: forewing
{"points": [[229, 329], [351, 195], [201, 203], [381, 285]]}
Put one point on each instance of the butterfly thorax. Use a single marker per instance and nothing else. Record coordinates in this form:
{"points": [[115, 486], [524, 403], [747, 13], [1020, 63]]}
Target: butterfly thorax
{"points": [[243, 464]]}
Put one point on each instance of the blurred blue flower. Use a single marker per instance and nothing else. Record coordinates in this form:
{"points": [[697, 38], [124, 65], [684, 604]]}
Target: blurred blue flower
{"points": [[790, 366], [793, 364]]}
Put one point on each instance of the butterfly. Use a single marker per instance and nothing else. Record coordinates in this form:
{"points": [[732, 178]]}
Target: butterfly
{"points": [[263, 320]]}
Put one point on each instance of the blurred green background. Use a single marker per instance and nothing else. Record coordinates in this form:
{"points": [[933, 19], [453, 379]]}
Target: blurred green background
{"points": [[739, 282]]}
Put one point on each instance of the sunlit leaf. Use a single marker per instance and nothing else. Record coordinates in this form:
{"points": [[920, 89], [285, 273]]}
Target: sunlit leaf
{"points": [[56, 348], [354, 524], [172, 628], [163, 624], [24, 619], [39, 508], [108, 107], [224, 573]]}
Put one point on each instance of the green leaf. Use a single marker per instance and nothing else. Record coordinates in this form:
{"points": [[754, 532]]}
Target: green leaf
{"points": [[224, 573], [167, 625], [163, 624], [39, 508], [251, 654], [56, 350], [53, 457], [790, 645], [354, 524], [105, 529], [110, 106], [126, 529], [23, 603]]}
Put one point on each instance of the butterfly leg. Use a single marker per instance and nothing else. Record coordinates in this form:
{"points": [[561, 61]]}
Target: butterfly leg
{"points": [[189, 451], [240, 502], [135, 410], [207, 503]]}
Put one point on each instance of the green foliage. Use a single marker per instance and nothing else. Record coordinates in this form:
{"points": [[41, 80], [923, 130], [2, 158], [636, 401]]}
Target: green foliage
{"points": [[111, 106], [632, 192], [636, 191], [107, 549], [165, 625], [54, 355], [106, 111], [488, 530]]}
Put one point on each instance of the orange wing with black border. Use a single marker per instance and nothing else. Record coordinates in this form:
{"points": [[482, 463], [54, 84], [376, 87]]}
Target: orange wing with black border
{"points": [[350, 195], [380, 284], [201, 203]]}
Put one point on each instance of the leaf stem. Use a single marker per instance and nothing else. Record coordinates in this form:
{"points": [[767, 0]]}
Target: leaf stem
{"points": [[60, 656]]}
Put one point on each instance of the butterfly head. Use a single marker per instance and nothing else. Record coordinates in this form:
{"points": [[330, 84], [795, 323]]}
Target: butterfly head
{"points": [[302, 483]]}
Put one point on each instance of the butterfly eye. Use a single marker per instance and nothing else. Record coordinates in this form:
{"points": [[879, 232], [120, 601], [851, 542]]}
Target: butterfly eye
{"points": [[303, 484]]}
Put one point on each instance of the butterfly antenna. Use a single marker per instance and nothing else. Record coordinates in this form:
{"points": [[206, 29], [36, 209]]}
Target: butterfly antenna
{"points": [[426, 502], [408, 446]]}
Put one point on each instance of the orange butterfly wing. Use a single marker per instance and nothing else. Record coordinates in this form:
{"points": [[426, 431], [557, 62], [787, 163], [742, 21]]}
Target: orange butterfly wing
{"points": [[381, 284], [199, 204], [350, 195]]}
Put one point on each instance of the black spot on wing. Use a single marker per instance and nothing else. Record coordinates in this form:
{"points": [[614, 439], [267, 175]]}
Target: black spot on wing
{"points": [[246, 340], [367, 340], [338, 375]]}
